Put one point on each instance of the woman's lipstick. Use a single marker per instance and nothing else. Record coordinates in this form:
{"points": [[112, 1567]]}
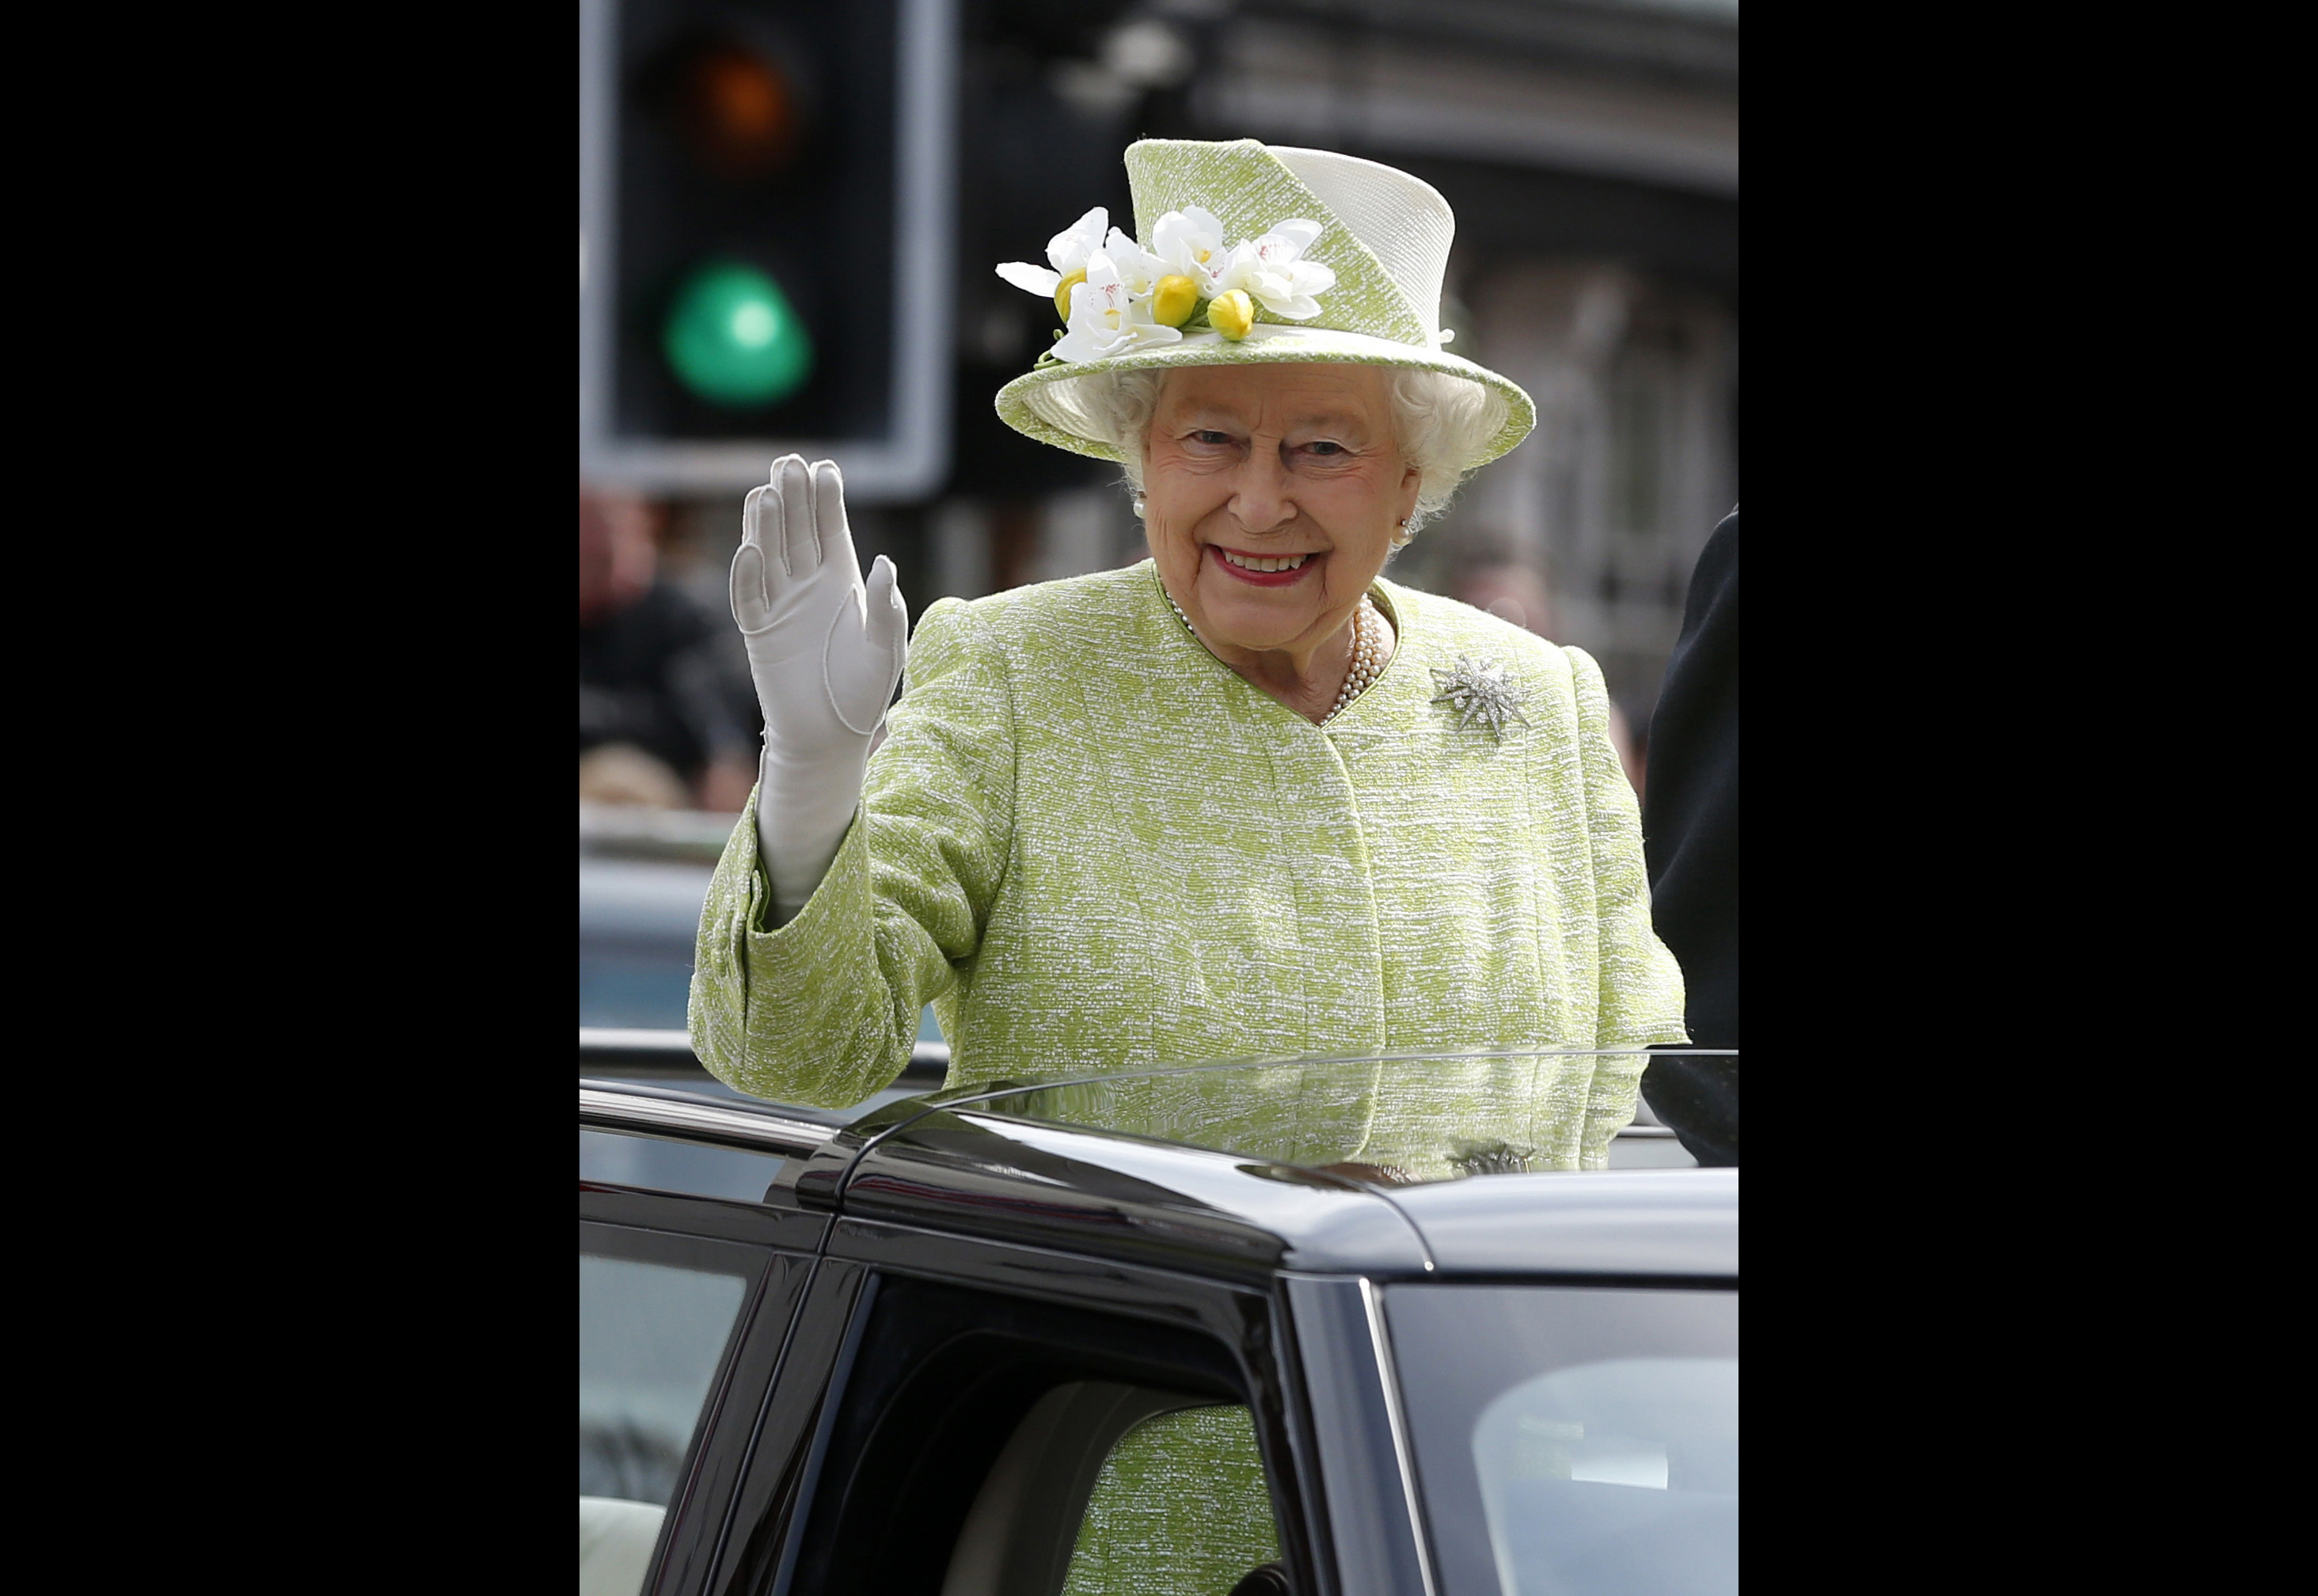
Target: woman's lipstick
{"points": [[1261, 578]]}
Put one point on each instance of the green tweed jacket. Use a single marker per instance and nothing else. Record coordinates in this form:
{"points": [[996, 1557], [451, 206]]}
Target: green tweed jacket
{"points": [[1093, 848]]}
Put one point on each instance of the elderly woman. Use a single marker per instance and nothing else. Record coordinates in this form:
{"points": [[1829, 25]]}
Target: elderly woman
{"points": [[1243, 800]]}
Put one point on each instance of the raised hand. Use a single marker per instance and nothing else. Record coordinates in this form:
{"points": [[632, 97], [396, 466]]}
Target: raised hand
{"points": [[825, 649]]}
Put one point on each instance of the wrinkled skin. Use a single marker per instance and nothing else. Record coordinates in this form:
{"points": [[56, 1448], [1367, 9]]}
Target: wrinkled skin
{"points": [[1267, 462]]}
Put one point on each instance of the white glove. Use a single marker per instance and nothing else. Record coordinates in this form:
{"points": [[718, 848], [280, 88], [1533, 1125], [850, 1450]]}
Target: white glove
{"points": [[824, 652]]}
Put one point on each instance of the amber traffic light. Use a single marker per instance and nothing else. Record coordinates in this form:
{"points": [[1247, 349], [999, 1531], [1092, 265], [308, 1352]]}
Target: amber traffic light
{"points": [[738, 108]]}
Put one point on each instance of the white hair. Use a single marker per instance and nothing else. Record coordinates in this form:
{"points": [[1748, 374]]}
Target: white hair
{"points": [[1440, 421]]}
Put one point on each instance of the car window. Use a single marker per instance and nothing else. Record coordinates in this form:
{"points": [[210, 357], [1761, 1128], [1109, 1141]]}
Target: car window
{"points": [[1180, 1509], [1109, 1488], [1392, 1119], [990, 1444], [656, 1316], [1574, 1440]]}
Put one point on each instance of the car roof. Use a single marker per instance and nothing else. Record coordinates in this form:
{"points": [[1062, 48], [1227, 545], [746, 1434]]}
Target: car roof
{"points": [[962, 1170], [1202, 1209]]}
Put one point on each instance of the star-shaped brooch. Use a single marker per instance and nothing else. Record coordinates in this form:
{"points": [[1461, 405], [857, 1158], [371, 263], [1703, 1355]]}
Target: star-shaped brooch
{"points": [[1482, 694]]}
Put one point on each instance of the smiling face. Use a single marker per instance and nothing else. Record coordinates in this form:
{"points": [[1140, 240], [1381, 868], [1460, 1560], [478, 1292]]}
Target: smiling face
{"points": [[1271, 494]]}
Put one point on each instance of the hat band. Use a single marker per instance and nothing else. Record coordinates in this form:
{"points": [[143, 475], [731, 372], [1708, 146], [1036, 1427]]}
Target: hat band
{"points": [[1267, 332]]}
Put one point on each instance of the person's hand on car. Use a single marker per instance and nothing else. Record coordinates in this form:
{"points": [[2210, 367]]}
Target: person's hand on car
{"points": [[825, 650]]}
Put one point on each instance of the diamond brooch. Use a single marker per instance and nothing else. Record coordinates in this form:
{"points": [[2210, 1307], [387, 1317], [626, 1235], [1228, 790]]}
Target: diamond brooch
{"points": [[1481, 694]]}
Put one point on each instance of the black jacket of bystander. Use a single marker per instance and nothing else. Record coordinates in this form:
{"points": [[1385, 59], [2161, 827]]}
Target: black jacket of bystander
{"points": [[1690, 828]]}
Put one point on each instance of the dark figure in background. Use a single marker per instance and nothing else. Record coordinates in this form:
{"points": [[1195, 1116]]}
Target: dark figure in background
{"points": [[662, 721], [1690, 833]]}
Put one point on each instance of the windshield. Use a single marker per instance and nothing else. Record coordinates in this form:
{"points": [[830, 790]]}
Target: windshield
{"points": [[1576, 1440], [1394, 1119]]}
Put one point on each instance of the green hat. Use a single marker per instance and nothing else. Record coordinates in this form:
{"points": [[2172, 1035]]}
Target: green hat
{"points": [[1246, 253]]}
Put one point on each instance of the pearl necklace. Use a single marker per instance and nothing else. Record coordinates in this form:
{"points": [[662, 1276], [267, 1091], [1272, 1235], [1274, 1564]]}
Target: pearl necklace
{"points": [[1364, 667], [1366, 644]]}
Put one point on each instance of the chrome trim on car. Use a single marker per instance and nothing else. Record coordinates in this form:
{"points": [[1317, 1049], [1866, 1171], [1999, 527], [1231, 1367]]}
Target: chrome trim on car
{"points": [[642, 1110], [1364, 1475], [607, 1039], [1403, 1453]]}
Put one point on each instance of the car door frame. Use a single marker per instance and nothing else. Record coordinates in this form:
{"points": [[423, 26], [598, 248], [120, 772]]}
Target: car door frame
{"points": [[786, 1243], [1245, 1318]]}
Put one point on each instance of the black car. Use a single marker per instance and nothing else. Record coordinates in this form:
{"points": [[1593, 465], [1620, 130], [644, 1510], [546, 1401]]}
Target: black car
{"points": [[890, 1353]]}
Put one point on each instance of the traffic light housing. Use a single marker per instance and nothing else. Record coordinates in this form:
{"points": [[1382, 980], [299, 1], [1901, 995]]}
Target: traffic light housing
{"points": [[766, 241]]}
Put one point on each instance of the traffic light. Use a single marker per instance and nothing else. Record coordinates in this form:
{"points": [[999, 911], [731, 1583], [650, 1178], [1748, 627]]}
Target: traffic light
{"points": [[766, 189]]}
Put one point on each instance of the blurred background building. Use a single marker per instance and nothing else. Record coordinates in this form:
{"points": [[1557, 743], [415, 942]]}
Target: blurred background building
{"points": [[826, 189]]}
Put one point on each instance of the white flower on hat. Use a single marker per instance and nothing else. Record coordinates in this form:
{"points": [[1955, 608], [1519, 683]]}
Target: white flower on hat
{"points": [[1115, 296], [1189, 243], [1272, 269], [1107, 318], [1137, 268], [1068, 251]]}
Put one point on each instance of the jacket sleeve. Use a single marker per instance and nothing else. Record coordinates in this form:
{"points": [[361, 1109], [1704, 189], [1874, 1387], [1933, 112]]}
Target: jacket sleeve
{"points": [[1639, 1002], [822, 1010]]}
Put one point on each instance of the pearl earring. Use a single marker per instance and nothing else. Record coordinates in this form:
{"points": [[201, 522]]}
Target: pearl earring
{"points": [[1139, 508]]}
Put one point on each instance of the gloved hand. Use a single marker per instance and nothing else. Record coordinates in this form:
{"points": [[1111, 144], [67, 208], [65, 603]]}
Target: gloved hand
{"points": [[824, 652]]}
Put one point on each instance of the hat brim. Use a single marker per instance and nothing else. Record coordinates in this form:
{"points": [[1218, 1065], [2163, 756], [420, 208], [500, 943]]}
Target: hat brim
{"points": [[1039, 403]]}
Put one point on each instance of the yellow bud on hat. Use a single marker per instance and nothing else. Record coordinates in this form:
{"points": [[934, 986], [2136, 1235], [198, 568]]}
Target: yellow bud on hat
{"points": [[1063, 292], [1232, 314], [1174, 300]]}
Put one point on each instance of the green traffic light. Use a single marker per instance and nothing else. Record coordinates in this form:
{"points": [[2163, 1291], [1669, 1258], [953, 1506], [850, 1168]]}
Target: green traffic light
{"points": [[734, 339]]}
